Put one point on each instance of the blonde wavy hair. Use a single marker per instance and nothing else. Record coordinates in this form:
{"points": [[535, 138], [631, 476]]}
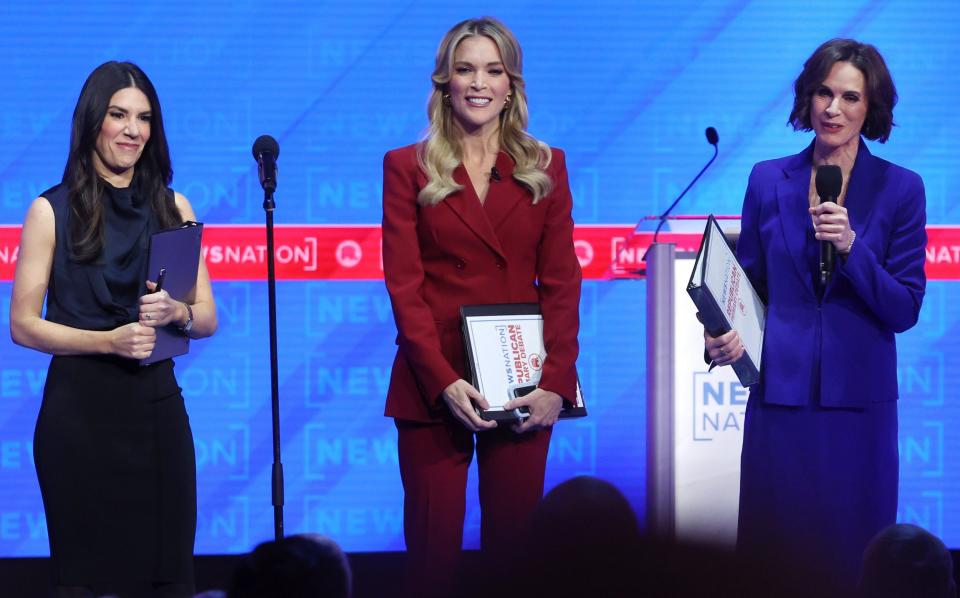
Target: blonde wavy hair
{"points": [[439, 153]]}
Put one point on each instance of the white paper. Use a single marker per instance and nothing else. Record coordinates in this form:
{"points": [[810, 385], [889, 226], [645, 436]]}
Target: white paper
{"points": [[508, 354], [726, 280]]}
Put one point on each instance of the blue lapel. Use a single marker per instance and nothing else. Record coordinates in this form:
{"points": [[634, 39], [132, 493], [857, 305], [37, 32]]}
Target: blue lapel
{"points": [[792, 193], [862, 194], [863, 189], [795, 223]]}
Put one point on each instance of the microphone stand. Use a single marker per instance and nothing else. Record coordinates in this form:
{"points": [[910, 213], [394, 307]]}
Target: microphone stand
{"points": [[663, 217], [659, 260], [277, 475], [713, 140]]}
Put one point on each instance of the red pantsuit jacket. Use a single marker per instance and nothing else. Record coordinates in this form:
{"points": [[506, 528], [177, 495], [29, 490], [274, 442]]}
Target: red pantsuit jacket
{"points": [[461, 252]]}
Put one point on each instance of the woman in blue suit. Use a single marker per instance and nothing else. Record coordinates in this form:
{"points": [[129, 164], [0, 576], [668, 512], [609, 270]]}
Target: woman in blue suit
{"points": [[819, 463]]}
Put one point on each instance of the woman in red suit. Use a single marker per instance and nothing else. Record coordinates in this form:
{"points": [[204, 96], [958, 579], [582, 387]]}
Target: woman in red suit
{"points": [[479, 212]]}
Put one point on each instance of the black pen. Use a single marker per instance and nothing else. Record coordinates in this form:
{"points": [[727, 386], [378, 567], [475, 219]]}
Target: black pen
{"points": [[160, 277]]}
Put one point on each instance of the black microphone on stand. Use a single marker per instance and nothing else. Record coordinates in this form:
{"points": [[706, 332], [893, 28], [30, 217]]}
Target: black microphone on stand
{"points": [[713, 139], [829, 182], [265, 152]]}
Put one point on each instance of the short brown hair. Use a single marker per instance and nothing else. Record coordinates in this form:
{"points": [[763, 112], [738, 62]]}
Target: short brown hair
{"points": [[881, 93]]}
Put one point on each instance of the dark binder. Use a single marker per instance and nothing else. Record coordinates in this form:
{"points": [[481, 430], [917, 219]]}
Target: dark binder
{"points": [[742, 307], [176, 250], [492, 377]]}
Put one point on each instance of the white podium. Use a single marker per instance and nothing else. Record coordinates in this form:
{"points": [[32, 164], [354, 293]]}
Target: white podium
{"points": [[694, 417]]}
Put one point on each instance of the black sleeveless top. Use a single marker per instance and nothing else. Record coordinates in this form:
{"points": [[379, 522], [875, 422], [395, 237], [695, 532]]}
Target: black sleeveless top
{"points": [[102, 294]]}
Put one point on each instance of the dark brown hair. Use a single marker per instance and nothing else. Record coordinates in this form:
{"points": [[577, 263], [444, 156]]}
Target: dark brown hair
{"points": [[153, 171], [881, 93]]}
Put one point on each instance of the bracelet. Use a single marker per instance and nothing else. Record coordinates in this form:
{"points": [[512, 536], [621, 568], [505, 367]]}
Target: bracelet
{"points": [[853, 238], [188, 325]]}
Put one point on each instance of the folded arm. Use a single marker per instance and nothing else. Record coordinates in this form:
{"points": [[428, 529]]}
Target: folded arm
{"points": [[893, 285]]}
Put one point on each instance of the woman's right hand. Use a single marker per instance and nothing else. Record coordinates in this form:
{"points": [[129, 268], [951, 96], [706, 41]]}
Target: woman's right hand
{"points": [[724, 349], [460, 398], [133, 341]]}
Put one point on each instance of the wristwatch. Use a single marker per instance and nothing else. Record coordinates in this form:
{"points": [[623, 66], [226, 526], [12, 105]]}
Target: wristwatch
{"points": [[188, 325]]}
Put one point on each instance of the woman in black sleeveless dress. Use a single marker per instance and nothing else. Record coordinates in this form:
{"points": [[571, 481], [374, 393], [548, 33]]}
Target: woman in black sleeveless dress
{"points": [[113, 447]]}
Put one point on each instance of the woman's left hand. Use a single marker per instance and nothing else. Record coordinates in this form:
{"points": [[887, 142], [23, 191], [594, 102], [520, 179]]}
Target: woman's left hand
{"points": [[831, 224], [159, 309], [544, 407]]}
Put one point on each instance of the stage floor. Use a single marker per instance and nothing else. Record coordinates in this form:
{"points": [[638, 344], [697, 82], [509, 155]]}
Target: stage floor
{"points": [[375, 574]]}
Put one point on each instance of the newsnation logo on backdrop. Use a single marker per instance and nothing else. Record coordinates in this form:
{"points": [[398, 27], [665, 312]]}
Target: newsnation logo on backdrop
{"points": [[353, 252]]}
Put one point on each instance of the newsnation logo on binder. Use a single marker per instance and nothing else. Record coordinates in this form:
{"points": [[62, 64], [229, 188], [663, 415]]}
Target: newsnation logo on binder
{"points": [[506, 353], [727, 301]]}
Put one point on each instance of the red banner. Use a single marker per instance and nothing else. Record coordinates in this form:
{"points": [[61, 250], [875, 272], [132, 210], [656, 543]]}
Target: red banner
{"points": [[353, 252]]}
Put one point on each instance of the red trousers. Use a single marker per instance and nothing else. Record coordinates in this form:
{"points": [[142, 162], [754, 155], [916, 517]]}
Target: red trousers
{"points": [[434, 459]]}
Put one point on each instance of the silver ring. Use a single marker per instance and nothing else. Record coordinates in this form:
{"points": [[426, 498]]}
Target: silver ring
{"points": [[723, 351], [146, 316]]}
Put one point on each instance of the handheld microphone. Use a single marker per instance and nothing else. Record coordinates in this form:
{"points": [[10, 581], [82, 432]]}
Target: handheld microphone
{"points": [[713, 139], [266, 150], [829, 182]]}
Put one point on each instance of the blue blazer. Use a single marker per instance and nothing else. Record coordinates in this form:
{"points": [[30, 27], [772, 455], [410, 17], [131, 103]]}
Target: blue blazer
{"points": [[839, 350]]}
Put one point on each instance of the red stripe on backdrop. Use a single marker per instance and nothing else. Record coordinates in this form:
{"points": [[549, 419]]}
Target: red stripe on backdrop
{"points": [[352, 252]]}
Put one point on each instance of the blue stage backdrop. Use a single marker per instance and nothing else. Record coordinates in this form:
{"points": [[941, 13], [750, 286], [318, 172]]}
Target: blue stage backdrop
{"points": [[626, 88]]}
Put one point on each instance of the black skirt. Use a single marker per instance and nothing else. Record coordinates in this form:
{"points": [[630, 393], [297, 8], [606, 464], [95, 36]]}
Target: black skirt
{"points": [[115, 460]]}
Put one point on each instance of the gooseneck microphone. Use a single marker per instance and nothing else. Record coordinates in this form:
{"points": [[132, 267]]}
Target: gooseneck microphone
{"points": [[829, 182], [266, 150], [713, 139]]}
